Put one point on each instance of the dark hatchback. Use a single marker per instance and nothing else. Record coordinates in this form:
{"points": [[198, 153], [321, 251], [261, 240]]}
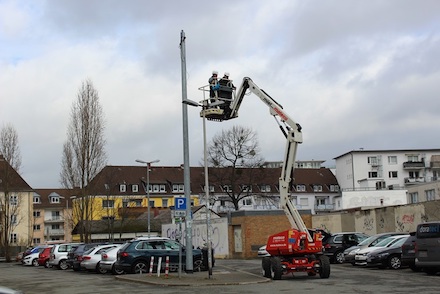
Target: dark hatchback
{"points": [[409, 252], [135, 255], [335, 245]]}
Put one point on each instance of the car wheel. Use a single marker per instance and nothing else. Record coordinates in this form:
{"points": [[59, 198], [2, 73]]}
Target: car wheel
{"points": [[140, 267], [198, 265], [324, 263], [100, 270], [394, 262], [35, 262], [339, 257], [265, 265], [63, 265], [276, 269], [116, 271], [415, 268]]}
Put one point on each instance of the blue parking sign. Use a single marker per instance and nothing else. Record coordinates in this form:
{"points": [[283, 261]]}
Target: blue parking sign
{"points": [[180, 203]]}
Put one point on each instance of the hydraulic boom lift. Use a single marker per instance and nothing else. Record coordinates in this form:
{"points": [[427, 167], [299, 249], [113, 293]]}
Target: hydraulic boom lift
{"points": [[297, 249]]}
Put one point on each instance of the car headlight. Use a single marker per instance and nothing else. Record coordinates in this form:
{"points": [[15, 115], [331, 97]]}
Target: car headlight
{"points": [[353, 252]]}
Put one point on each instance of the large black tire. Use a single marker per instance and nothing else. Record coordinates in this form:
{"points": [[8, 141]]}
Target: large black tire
{"points": [[140, 267], [115, 271], [197, 265], [265, 265], [338, 257], [414, 268], [276, 269], [324, 263], [394, 262], [62, 265]]}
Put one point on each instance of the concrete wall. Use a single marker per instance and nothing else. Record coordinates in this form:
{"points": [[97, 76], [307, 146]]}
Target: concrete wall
{"points": [[402, 218], [375, 198]]}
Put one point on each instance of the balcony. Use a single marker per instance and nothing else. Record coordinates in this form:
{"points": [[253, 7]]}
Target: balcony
{"points": [[409, 181], [414, 165], [54, 219], [58, 232], [324, 207]]}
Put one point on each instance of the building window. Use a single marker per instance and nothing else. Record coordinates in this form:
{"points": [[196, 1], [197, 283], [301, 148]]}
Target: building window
{"points": [[294, 200], [413, 174], [55, 227], [317, 188], [392, 159], [246, 188], [55, 215], [108, 203], [320, 201], [151, 204], [413, 158], [301, 188], [36, 213], [430, 195], [13, 200], [372, 160], [107, 218], [37, 199], [37, 227], [14, 238], [54, 199], [13, 219], [137, 202], [162, 188], [178, 187], [414, 197], [334, 188], [372, 174], [265, 188], [392, 174], [164, 202], [227, 188], [36, 240], [156, 188], [125, 203], [122, 188], [303, 202], [135, 188], [247, 201]]}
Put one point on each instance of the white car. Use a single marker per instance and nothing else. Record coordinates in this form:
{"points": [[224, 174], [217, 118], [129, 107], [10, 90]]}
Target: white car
{"points": [[108, 259], [362, 255], [92, 257], [262, 252], [32, 259]]}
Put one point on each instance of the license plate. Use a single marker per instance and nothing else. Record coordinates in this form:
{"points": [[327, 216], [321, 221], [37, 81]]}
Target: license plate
{"points": [[423, 254], [360, 258]]}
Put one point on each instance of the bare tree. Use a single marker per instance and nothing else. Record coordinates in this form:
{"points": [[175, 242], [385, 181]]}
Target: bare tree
{"points": [[230, 153], [10, 163], [84, 153]]}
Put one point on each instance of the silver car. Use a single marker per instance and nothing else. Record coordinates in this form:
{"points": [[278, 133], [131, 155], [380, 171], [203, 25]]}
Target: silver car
{"points": [[91, 259], [108, 259]]}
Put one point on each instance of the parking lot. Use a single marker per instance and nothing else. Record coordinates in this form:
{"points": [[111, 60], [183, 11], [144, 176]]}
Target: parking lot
{"points": [[344, 278]]}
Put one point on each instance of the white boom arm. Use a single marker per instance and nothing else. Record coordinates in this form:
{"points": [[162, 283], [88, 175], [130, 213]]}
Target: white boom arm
{"points": [[292, 131]]}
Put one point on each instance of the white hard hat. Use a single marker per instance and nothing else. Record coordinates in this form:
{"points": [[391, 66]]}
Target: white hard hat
{"points": [[214, 72], [227, 74]]}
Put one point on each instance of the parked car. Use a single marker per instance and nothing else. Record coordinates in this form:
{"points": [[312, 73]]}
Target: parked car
{"points": [[262, 251], [58, 255], [363, 255], [74, 256], [390, 256], [108, 259], [350, 252], [92, 257], [335, 245], [428, 247], [134, 256], [32, 257], [409, 252], [44, 256]]}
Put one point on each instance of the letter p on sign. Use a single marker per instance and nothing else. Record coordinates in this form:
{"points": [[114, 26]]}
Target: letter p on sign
{"points": [[180, 203]]}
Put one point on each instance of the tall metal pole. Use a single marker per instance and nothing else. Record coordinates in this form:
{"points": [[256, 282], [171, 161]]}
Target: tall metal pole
{"points": [[208, 205], [186, 173]]}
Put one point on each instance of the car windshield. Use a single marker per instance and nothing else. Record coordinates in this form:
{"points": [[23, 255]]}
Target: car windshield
{"points": [[399, 242], [367, 241], [386, 242], [88, 251]]}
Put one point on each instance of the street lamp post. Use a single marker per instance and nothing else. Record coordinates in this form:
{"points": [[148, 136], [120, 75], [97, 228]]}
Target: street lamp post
{"points": [[148, 163]]}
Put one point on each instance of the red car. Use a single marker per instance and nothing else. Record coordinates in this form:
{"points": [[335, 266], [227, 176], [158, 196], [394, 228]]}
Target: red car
{"points": [[44, 256]]}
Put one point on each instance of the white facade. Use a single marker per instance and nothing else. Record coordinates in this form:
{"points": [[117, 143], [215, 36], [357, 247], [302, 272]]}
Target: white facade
{"points": [[386, 169]]}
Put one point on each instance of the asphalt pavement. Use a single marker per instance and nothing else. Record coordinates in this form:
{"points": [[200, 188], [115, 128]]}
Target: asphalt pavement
{"points": [[221, 275]]}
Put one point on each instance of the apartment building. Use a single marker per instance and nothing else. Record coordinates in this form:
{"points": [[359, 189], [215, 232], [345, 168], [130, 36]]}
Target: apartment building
{"points": [[382, 177]]}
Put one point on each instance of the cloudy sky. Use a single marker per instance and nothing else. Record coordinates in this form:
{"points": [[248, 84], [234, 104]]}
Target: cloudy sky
{"points": [[354, 74]]}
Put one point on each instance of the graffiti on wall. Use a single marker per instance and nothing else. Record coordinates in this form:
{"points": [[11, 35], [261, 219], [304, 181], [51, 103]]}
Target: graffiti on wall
{"points": [[218, 232], [368, 224], [404, 222]]}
